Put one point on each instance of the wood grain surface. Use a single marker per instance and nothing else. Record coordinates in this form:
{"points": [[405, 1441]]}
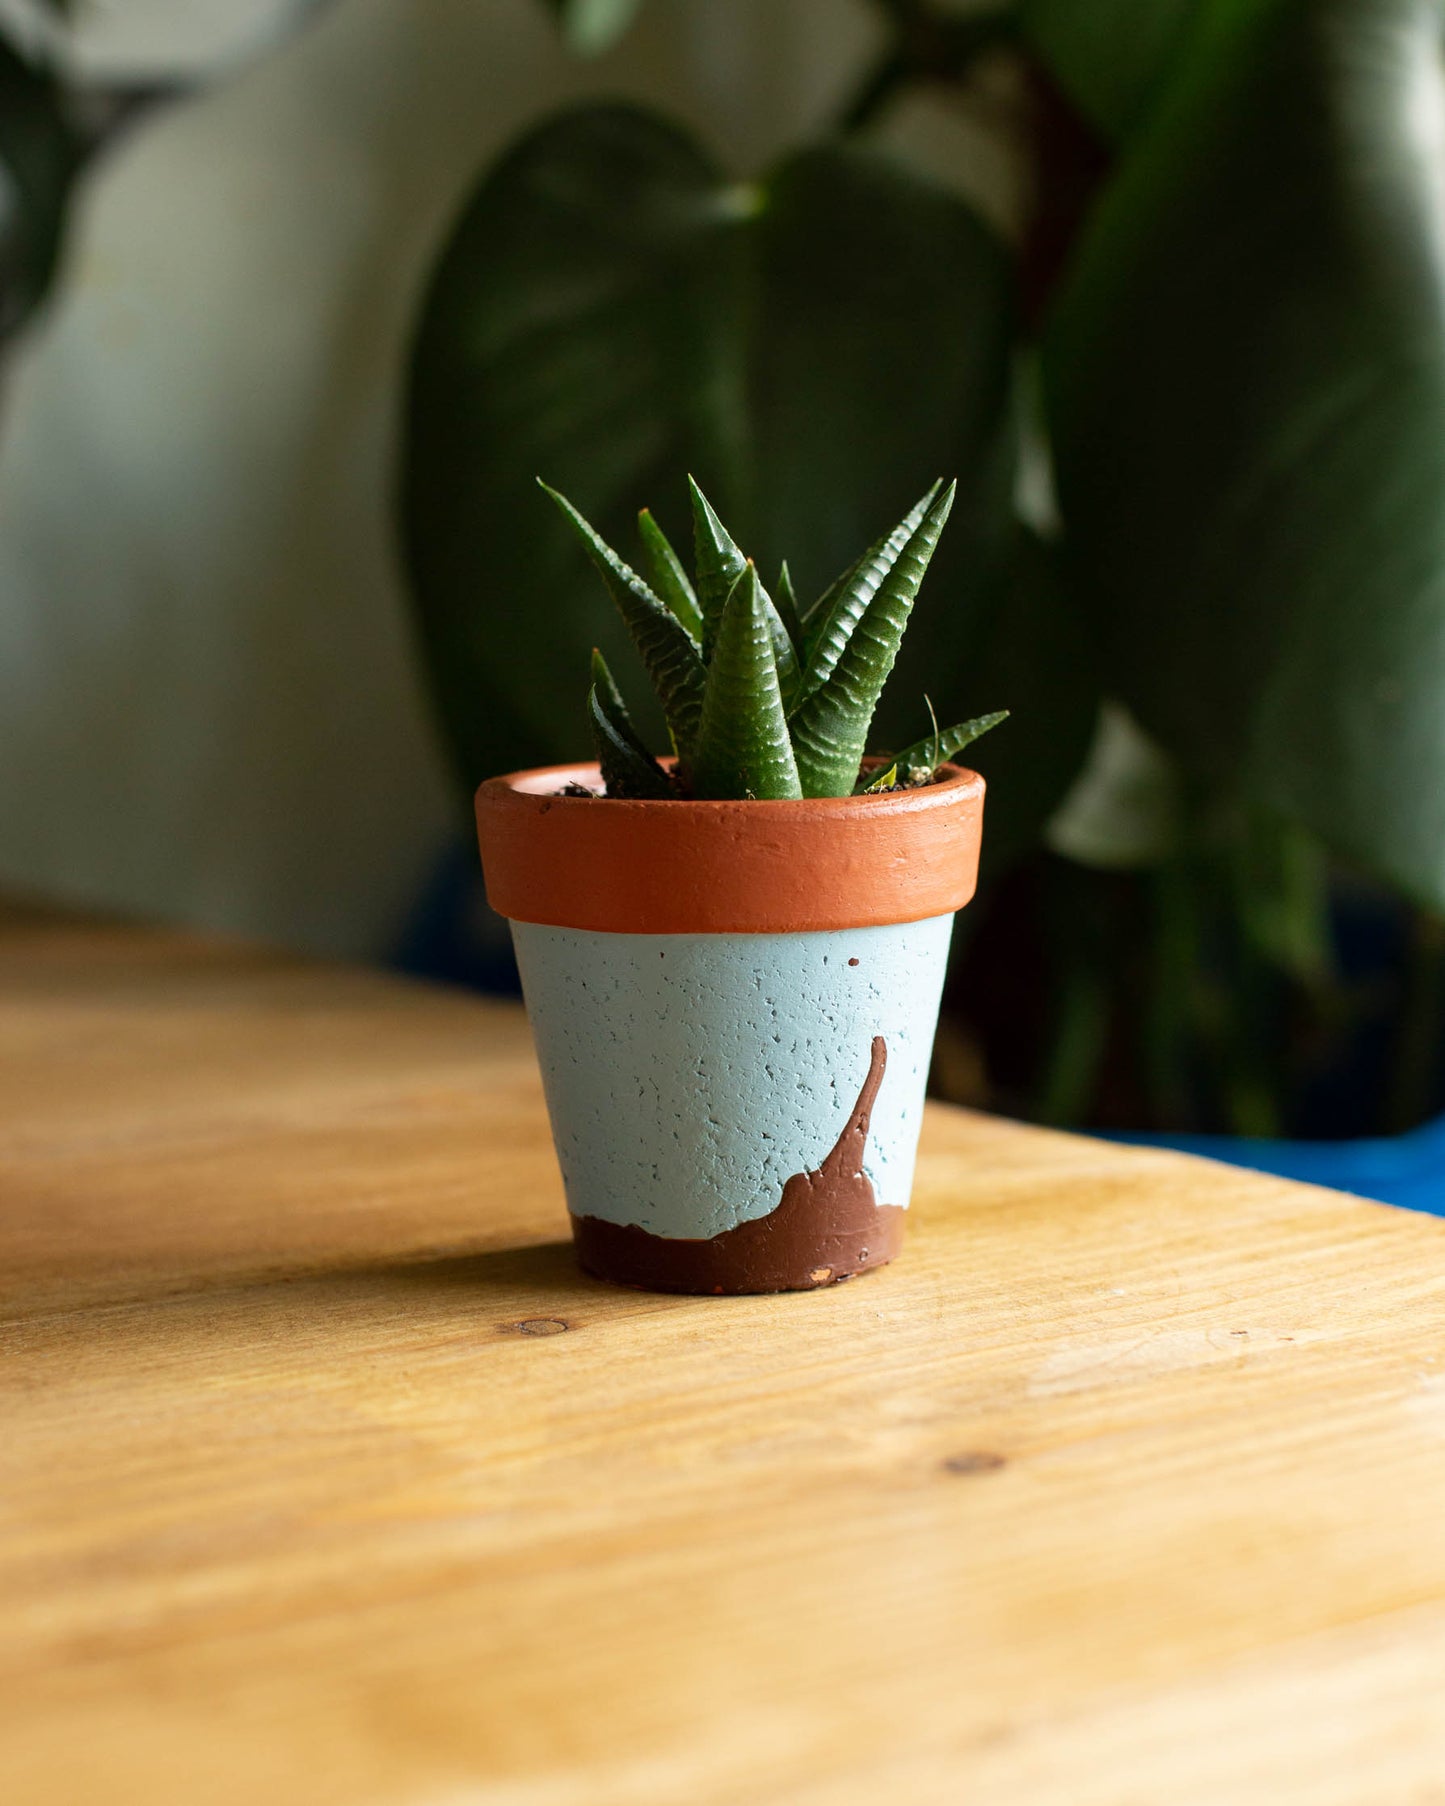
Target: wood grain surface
{"points": [[324, 1477]]}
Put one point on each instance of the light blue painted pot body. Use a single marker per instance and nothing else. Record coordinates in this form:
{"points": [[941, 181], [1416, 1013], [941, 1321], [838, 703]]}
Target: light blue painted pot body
{"points": [[690, 1076]]}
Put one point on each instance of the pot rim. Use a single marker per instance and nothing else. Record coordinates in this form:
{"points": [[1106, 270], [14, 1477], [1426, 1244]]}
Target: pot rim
{"points": [[628, 865]]}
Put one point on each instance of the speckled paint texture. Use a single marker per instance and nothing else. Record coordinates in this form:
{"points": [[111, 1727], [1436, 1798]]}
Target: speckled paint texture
{"points": [[690, 1076]]}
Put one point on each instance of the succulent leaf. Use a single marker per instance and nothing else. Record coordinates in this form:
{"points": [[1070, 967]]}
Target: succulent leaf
{"points": [[668, 650], [742, 748], [829, 623], [628, 768], [717, 562], [789, 673], [920, 756], [885, 780], [625, 772], [830, 725], [786, 603], [669, 578]]}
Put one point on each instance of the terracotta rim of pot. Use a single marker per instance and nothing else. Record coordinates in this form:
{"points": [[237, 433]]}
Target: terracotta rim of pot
{"points": [[621, 866]]}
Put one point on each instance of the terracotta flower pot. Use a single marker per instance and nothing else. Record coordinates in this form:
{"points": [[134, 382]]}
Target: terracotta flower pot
{"points": [[734, 1006]]}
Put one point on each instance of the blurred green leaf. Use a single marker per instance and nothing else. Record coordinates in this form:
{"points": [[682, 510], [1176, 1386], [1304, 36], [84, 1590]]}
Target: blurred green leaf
{"points": [[611, 312], [743, 748], [1111, 57], [1246, 382], [830, 726], [39, 155], [592, 26], [1034, 653]]}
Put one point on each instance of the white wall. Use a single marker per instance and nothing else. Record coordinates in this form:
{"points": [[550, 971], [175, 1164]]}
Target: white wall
{"points": [[208, 705]]}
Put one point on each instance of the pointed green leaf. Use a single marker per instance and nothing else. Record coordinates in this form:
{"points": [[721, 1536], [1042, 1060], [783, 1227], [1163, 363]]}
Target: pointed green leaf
{"points": [[830, 727], [628, 768], [832, 618], [789, 675], [815, 616], [668, 650], [669, 578], [920, 756], [742, 744], [718, 564], [614, 709], [786, 603], [624, 772], [884, 780]]}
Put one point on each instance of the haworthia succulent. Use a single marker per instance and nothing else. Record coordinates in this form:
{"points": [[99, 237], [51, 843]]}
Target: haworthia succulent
{"points": [[669, 578], [628, 768], [829, 623], [830, 725], [670, 653], [926, 754], [742, 747], [752, 713]]}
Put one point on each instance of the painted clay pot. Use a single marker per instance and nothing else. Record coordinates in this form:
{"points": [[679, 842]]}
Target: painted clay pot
{"points": [[733, 1005]]}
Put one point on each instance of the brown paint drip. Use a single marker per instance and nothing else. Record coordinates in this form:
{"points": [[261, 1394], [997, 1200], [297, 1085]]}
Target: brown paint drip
{"points": [[827, 1226]]}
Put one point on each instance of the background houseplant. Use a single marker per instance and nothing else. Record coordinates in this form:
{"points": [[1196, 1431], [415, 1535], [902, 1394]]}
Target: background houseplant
{"points": [[1197, 954], [1218, 324]]}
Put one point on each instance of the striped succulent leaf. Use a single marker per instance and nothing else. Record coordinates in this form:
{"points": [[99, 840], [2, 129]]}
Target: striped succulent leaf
{"points": [[628, 768], [743, 749], [829, 623], [672, 656], [669, 579], [830, 725], [750, 715], [719, 565], [927, 754]]}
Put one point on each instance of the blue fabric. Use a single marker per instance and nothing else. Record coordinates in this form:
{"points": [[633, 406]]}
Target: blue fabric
{"points": [[1408, 1170]]}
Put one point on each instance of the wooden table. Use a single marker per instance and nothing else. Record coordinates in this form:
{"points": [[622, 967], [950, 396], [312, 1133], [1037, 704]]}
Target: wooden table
{"points": [[325, 1478]]}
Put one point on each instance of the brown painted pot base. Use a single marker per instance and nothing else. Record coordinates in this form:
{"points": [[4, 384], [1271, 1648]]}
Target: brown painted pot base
{"points": [[760, 1256], [826, 1227]]}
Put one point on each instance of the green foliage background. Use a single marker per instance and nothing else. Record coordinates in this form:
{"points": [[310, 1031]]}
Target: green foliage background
{"points": [[1195, 405], [1222, 330]]}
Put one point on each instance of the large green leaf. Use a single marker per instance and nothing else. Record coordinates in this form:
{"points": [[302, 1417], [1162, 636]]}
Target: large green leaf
{"points": [[1246, 383], [1031, 654], [611, 313]]}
